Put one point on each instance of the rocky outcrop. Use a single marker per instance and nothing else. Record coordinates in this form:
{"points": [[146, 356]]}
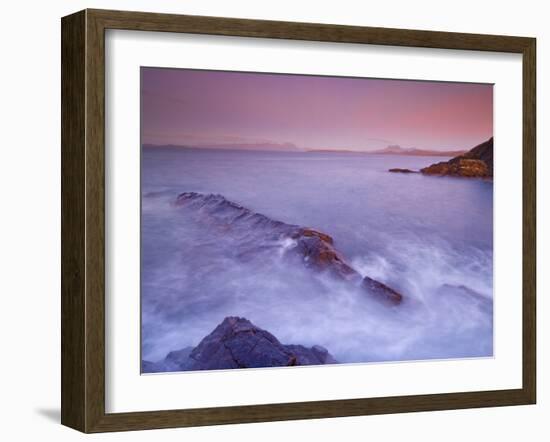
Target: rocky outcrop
{"points": [[483, 152], [314, 248], [237, 343], [477, 163]]}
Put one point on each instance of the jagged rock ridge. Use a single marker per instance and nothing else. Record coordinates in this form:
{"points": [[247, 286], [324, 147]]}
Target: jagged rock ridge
{"points": [[316, 249], [237, 343]]}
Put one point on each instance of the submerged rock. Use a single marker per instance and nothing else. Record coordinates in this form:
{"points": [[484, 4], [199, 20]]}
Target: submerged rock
{"points": [[237, 343], [476, 163], [178, 360], [386, 293], [151, 367], [463, 292], [174, 361], [315, 249], [399, 170]]}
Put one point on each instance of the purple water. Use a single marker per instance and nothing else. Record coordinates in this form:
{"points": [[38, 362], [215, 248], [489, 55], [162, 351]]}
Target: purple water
{"points": [[430, 238]]}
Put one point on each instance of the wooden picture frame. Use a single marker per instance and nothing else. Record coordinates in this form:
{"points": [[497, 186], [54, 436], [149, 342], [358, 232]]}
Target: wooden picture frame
{"points": [[83, 220]]}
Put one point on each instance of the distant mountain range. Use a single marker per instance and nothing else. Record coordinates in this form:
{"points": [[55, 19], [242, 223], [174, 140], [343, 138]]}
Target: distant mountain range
{"points": [[290, 147], [279, 147], [398, 150]]}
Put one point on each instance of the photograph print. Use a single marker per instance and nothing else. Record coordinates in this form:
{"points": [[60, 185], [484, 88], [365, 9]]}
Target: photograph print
{"points": [[303, 220]]}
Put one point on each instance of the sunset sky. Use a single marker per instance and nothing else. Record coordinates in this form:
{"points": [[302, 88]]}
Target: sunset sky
{"points": [[206, 108]]}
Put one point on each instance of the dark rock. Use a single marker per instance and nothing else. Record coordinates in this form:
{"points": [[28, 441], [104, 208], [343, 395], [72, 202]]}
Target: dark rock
{"points": [[398, 170], [476, 163], [237, 343], [318, 252], [386, 293], [314, 248], [483, 152]]}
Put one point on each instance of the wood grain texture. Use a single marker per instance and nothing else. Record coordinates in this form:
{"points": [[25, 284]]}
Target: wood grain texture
{"points": [[529, 220], [83, 220], [73, 128], [145, 21], [95, 221]]}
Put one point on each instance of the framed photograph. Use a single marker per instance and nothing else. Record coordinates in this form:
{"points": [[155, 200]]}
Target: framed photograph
{"points": [[269, 220]]}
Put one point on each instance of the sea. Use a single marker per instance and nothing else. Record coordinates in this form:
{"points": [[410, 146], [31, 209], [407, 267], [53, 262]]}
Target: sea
{"points": [[429, 238]]}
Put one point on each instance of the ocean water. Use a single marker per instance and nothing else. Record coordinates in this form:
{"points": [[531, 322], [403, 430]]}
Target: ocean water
{"points": [[430, 238]]}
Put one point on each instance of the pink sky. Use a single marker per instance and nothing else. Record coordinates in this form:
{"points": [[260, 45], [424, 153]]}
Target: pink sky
{"points": [[194, 108]]}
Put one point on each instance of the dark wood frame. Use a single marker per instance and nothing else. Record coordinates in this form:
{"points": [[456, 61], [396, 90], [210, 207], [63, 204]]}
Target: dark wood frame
{"points": [[83, 218]]}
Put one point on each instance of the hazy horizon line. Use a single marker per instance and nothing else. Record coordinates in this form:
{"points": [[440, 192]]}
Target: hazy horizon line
{"points": [[291, 147]]}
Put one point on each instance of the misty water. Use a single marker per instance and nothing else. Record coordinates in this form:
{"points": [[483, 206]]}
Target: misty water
{"points": [[430, 238]]}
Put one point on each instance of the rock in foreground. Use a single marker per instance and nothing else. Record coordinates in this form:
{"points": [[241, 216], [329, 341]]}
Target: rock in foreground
{"points": [[477, 163], [237, 343]]}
